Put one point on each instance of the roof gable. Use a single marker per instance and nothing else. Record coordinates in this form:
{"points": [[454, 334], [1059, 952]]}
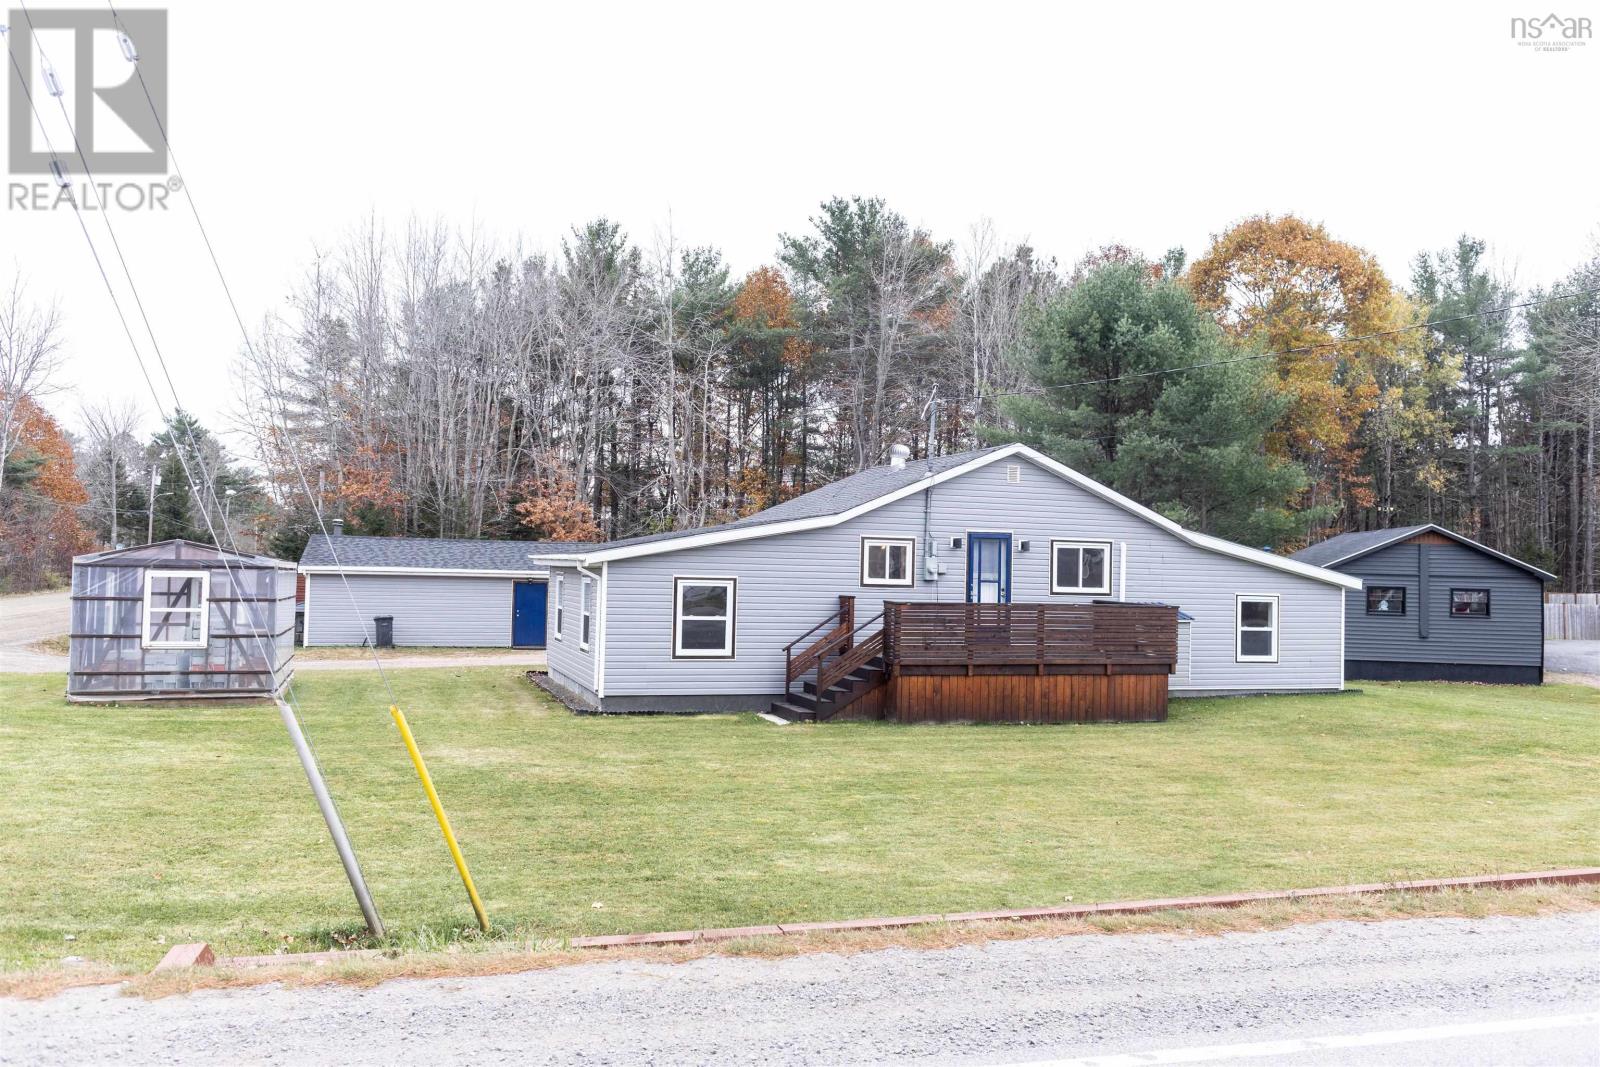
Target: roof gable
{"points": [[1349, 547], [867, 494]]}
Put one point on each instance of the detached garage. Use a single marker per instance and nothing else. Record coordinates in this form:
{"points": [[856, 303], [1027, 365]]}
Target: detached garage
{"points": [[465, 593], [1436, 606]]}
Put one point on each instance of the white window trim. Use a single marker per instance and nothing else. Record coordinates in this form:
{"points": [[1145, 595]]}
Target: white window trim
{"points": [[1276, 629], [908, 543], [561, 603], [585, 613], [730, 645], [204, 609], [1104, 589]]}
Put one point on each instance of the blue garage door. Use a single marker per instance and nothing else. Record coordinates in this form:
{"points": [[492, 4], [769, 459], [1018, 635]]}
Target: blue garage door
{"points": [[527, 615]]}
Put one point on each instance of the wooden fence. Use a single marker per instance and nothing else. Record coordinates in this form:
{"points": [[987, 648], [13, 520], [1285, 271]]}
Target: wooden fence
{"points": [[1572, 617]]}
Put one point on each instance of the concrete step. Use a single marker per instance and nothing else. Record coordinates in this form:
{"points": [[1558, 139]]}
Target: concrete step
{"points": [[793, 712]]}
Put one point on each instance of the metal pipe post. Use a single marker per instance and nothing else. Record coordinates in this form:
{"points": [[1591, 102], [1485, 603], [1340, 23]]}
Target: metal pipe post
{"points": [[330, 814]]}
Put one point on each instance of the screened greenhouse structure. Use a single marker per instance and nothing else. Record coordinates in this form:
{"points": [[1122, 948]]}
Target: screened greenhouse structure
{"points": [[179, 619]]}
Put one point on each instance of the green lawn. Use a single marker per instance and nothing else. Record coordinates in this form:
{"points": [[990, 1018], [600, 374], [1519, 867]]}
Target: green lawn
{"points": [[134, 827]]}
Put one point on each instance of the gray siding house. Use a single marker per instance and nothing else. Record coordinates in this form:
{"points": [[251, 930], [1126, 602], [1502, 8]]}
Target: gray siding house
{"points": [[465, 593], [698, 620], [1437, 605]]}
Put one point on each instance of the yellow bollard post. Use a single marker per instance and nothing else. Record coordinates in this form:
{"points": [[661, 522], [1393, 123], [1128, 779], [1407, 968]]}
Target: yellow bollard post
{"points": [[438, 812]]}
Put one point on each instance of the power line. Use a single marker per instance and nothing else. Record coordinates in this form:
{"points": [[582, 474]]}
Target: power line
{"points": [[1299, 350]]}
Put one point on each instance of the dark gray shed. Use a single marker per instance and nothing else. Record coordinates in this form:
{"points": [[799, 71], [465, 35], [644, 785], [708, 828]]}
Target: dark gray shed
{"points": [[1436, 606], [179, 619]]}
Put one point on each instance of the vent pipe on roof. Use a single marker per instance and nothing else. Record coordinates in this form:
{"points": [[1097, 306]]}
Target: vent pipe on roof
{"points": [[898, 454], [338, 527]]}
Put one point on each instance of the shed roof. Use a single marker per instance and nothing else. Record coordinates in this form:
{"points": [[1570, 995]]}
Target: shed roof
{"points": [[422, 553], [1348, 547], [178, 550]]}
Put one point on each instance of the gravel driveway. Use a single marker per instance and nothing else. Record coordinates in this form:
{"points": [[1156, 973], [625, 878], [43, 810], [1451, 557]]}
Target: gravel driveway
{"points": [[1004, 1002], [1572, 661]]}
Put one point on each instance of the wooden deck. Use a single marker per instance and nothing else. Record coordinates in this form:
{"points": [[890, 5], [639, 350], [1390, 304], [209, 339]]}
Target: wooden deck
{"points": [[1028, 662], [937, 662]]}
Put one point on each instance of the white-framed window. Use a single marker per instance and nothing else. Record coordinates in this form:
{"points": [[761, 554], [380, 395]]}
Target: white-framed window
{"points": [[703, 615], [561, 603], [1255, 628], [1080, 567], [585, 611], [888, 560], [176, 609]]}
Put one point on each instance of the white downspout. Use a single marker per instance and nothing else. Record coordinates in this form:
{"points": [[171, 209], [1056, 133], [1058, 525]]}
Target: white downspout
{"points": [[1122, 570]]}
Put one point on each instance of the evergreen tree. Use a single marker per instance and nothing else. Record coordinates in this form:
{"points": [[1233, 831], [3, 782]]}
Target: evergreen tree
{"points": [[1116, 405]]}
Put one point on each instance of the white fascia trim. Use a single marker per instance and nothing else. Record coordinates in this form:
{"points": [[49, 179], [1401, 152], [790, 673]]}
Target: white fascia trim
{"points": [[430, 571], [1199, 540], [1436, 528]]}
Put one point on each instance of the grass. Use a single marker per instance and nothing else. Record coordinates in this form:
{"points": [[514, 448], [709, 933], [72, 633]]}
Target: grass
{"points": [[132, 828]]}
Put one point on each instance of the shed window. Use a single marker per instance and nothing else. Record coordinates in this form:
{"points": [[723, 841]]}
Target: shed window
{"points": [[585, 608], [561, 603], [1080, 567], [703, 617], [1386, 600], [176, 609], [1470, 602], [1256, 629], [887, 560]]}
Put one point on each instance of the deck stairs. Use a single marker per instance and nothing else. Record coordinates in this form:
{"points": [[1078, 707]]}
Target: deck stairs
{"points": [[808, 705]]}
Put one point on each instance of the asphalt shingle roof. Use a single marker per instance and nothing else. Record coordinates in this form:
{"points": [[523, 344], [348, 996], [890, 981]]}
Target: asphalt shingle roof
{"points": [[1347, 545], [831, 499], [429, 552], [1342, 545]]}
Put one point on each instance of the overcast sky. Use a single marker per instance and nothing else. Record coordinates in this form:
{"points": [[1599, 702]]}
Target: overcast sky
{"points": [[1074, 125]]}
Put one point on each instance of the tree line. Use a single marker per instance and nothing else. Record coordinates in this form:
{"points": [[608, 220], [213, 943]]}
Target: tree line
{"points": [[1276, 389]]}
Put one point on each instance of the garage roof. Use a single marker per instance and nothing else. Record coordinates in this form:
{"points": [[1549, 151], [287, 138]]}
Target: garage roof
{"points": [[423, 553]]}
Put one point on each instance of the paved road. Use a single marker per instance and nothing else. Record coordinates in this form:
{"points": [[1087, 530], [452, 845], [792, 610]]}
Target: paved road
{"points": [[1572, 658], [1502, 991], [28, 618]]}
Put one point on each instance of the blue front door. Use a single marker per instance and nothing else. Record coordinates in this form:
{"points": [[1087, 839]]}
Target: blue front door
{"points": [[988, 568], [527, 614]]}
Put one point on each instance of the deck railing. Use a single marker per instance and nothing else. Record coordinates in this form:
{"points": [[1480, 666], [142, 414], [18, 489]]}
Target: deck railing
{"points": [[918, 634]]}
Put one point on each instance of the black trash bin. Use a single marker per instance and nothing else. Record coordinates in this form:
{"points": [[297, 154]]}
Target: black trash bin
{"points": [[383, 626]]}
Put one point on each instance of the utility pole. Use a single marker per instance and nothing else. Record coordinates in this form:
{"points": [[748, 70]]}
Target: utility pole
{"points": [[155, 480], [227, 505], [114, 480]]}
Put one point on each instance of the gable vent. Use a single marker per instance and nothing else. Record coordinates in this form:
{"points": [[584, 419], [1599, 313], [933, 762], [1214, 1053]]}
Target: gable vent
{"points": [[1013, 473]]}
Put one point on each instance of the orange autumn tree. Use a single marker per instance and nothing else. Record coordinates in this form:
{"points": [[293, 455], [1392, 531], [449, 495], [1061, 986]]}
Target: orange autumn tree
{"points": [[768, 365], [39, 527], [1286, 284], [551, 510]]}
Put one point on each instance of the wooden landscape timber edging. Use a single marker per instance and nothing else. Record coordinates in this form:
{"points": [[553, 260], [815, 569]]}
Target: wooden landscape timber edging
{"points": [[199, 954]]}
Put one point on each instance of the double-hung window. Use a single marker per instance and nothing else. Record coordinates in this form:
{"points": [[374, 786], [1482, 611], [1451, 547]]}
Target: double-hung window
{"points": [[703, 615], [1386, 600], [887, 560], [1469, 602], [585, 611], [176, 606], [1080, 567], [1255, 629], [561, 603]]}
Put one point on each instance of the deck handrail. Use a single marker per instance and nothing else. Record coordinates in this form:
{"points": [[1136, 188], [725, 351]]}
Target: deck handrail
{"points": [[857, 654], [796, 665], [936, 633]]}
